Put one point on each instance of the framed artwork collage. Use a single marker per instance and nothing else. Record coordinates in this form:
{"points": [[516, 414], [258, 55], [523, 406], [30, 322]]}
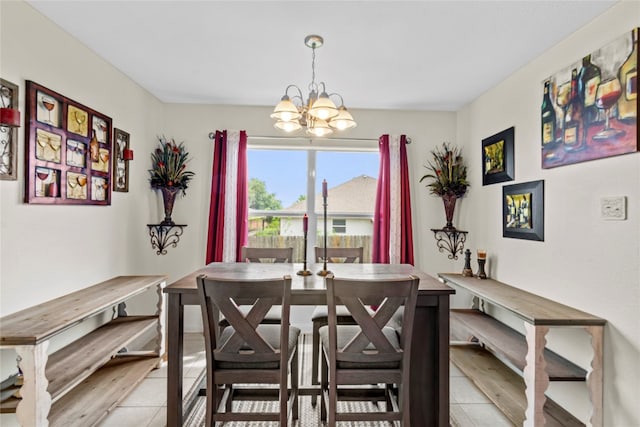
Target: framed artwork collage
{"points": [[68, 150]]}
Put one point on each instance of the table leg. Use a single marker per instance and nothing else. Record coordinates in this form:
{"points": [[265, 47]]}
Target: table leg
{"points": [[429, 404], [536, 379], [595, 375], [175, 328]]}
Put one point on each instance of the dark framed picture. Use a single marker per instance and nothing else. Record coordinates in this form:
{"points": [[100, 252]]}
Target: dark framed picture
{"points": [[68, 150], [497, 157], [590, 107], [523, 210], [120, 163], [8, 134]]}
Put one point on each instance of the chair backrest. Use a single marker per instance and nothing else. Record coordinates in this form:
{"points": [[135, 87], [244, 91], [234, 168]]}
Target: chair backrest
{"points": [[279, 255], [346, 255], [370, 344], [246, 344]]}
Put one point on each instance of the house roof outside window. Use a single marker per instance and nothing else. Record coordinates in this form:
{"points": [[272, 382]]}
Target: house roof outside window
{"points": [[356, 196]]}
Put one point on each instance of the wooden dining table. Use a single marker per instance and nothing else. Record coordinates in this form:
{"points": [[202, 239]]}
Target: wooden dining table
{"points": [[430, 343]]}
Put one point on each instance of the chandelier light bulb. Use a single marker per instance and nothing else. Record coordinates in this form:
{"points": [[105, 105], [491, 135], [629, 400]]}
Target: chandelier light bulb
{"points": [[343, 120], [289, 126]]}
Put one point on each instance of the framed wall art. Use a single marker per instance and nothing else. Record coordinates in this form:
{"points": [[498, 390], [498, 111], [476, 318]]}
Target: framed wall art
{"points": [[590, 108], [523, 210], [120, 163], [8, 135], [497, 155], [68, 150]]}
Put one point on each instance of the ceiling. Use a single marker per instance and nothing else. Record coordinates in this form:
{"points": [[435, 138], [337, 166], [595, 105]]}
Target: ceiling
{"points": [[417, 55]]}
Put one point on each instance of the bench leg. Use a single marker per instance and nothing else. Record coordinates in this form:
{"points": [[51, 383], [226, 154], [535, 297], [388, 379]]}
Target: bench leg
{"points": [[536, 379], [33, 409], [161, 328], [595, 375]]}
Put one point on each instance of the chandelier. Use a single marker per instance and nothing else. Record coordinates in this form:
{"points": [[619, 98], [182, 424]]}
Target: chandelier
{"points": [[318, 113]]}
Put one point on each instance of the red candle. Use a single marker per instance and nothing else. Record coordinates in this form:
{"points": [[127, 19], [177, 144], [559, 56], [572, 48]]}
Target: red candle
{"points": [[305, 223], [9, 117], [324, 188], [127, 154]]}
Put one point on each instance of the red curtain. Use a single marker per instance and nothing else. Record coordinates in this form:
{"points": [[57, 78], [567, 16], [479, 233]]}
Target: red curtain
{"points": [[220, 180], [382, 221], [380, 249]]}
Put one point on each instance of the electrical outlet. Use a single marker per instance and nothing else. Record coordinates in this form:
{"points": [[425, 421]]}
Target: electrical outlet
{"points": [[613, 207]]}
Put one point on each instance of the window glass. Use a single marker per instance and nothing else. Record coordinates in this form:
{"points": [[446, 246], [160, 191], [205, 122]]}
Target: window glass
{"points": [[278, 198], [277, 179], [339, 226]]}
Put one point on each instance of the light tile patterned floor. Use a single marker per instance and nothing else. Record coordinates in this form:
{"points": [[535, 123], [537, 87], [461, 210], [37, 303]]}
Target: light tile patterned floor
{"points": [[146, 405]]}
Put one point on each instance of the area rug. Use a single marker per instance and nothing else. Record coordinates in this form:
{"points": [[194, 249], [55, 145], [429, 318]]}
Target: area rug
{"points": [[308, 415]]}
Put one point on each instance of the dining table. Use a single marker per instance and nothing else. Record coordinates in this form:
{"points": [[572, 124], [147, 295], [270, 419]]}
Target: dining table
{"points": [[429, 367]]}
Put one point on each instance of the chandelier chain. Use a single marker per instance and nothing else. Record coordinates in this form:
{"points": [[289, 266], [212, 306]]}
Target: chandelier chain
{"points": [[313, 85]]}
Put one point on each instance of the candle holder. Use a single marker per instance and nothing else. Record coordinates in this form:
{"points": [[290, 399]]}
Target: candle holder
{"points": [[481, 273], [304, 271], [466, 271], [324, 270]]}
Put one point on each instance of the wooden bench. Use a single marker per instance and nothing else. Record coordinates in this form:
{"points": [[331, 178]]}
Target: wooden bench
{"points": [[526, 354], [78, 384]]}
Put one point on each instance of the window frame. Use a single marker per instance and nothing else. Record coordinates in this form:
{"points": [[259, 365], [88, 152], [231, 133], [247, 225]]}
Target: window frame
{"points": [[311, 146]]}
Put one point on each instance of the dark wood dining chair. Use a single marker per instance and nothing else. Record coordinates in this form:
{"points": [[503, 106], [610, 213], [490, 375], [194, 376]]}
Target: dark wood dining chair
{"points": [[369, 352], [251, 254], [247, 352], [274, 255], [319, 315]]}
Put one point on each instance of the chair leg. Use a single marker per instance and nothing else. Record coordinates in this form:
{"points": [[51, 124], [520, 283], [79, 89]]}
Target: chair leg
{"points": [[315, 358], [324, 384], [295, 384], [333, 403]]}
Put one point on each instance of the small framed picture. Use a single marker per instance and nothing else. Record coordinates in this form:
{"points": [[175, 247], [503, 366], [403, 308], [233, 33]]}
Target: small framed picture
{"points": [[497, 157], [523, 210], [120, 164]]}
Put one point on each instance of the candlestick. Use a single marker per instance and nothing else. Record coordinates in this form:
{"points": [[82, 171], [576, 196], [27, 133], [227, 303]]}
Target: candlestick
{"points": [[324, 270], [466, 271], [304, 271], [482, 254], [481, 262]]}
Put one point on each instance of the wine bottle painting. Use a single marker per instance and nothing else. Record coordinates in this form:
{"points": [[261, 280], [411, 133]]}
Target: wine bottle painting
{"points": [[589, 109]]}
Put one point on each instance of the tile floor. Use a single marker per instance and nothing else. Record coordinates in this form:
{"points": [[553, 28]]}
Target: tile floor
{"points": [[145, 406]]}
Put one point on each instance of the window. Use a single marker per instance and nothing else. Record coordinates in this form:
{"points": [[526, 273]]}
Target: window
{"points": [[339, 226], [285, 182]]}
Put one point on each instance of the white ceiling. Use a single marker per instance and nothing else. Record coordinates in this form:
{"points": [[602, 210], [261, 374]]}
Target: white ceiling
{"points": [[417, 55]]}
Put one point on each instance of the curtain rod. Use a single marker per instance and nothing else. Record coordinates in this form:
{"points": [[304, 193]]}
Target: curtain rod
{"points": [[212, 135]]}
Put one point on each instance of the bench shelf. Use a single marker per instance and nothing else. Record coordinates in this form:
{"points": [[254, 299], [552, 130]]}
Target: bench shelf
{"points": [[527, 354], [509, 343], [80, 383]]}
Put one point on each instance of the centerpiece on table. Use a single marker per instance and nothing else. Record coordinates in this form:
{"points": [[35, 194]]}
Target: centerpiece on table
{"points": [[448, 178], [168, 173]]}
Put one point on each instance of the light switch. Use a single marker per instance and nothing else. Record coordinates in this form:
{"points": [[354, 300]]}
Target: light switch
{"points": [[613, 207]]}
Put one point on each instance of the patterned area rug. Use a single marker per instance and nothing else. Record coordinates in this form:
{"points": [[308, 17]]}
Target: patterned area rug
{"points": [[308, 415]]}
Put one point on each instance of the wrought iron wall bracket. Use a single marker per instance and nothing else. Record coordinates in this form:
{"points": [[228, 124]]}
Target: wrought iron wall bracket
{"points": [[162, 236], [450, 240]]}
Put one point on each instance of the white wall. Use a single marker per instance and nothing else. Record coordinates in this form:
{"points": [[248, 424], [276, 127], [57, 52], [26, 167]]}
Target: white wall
{"points": [[584, 262]]}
